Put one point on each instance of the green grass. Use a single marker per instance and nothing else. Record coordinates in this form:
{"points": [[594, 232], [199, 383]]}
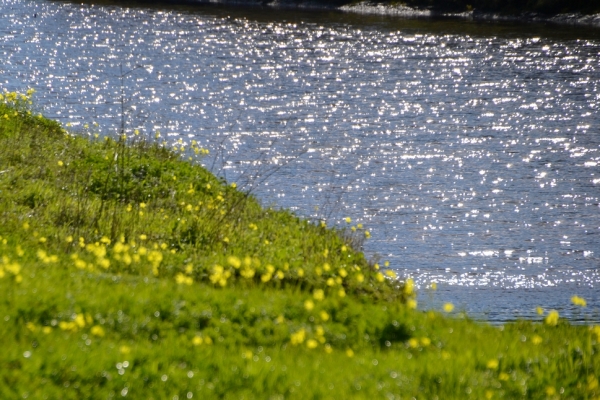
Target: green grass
{"points": [[127, 269]]}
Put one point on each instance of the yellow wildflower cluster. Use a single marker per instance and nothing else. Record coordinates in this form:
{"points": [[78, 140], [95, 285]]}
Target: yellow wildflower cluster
{"points": [[34, 328], [414, 343], [200, 340], [45, 258], [219, 276], [77, 322], [99, 251], [410, 293], [16, 99], [124, 254], [298, 337], [248, 268], [301, 335], [12, 268], [184, 278]]}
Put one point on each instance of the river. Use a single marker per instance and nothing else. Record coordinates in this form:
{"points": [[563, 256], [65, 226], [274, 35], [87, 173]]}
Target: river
{"points": [[470, 151]]}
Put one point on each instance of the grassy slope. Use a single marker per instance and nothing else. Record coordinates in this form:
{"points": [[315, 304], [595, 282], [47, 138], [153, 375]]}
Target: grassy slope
{"points": [[128, 271]]}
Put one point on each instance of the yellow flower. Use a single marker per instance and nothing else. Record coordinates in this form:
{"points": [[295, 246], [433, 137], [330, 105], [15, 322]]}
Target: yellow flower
{"points": [[367, 234], [539, 310], [79, 320], [409, 287], [97, 330], [309, 305], [60, 163], [324, 316], [328, 348], [503, 376], [411, 303], [433, 286], [390, 273], [448, 307], [312, 343], [125, 350], [349, 352], [233, 185], [578, 301], [379, 277], [197, 340], [596, 331], [552, 318], [425, 341], [319, 294], [550, 391], [536, 339], [348, 220], [47, 329], [342, 292], [492, 364], [413, 343]]}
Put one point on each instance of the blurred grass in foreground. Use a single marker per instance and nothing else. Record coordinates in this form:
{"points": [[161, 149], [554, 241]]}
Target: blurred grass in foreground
{"points": [[126, 271]]}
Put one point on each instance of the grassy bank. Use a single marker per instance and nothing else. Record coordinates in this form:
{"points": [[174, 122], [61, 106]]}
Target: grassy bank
{"points": [[128, 270]]}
